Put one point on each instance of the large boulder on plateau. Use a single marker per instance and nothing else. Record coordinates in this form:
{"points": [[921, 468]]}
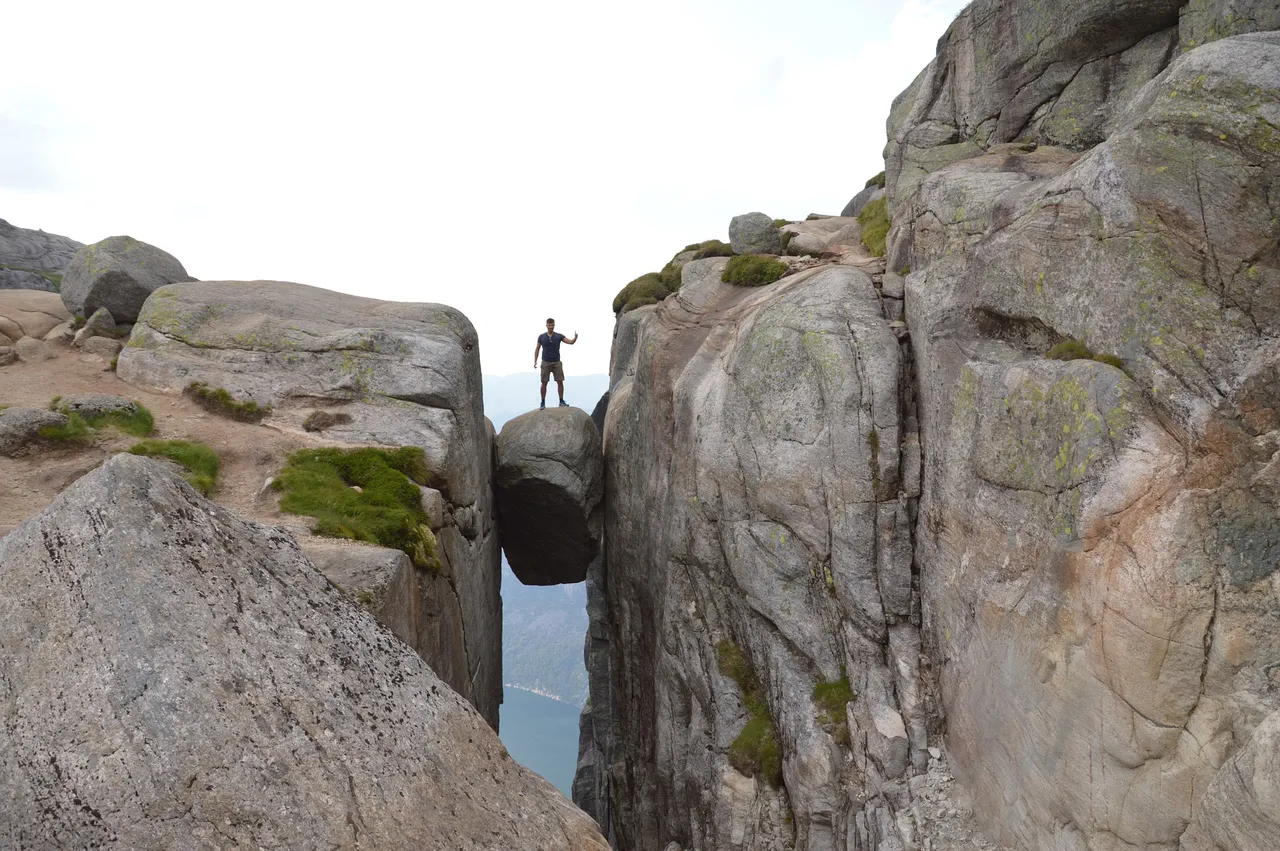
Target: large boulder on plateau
{"points": [[28, 313], [754, 233], [118, 273], [549, 486], [405, 374], [176, 677]]}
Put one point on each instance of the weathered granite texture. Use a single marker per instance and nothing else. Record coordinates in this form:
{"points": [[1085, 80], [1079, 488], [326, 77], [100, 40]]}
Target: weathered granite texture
{"points": [[175, 677], [754, 233], [549, 489], [760, 484], [24, 254], [1098, 545], [406, 374], [118, 273]]}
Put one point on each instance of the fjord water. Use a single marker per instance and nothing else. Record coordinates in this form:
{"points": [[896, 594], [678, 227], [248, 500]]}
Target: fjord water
{"points": [[541, 734]]}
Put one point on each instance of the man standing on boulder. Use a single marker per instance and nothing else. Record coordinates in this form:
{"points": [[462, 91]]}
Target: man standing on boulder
{"points": [[549, 345]]}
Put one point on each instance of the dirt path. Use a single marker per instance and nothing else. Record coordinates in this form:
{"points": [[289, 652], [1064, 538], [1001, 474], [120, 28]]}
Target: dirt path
{"points": [[249, 453]]}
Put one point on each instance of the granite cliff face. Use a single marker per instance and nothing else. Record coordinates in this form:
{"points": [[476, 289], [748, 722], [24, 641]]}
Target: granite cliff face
{"points": [[1038, 532]]}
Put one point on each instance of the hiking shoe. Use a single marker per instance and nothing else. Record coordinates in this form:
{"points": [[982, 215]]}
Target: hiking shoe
{"points": [[564, 404], [542, 406]]}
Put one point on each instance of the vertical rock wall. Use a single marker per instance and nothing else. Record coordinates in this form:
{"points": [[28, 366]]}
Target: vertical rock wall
{"points": [[761, 479], [1099, 537]]}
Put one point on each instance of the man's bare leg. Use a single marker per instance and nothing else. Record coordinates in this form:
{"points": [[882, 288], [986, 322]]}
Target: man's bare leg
{"points": [[559, 389], [544, 391]]}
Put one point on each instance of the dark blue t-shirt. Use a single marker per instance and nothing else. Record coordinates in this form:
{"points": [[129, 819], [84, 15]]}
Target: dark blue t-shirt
{"points": [[550, 346]]}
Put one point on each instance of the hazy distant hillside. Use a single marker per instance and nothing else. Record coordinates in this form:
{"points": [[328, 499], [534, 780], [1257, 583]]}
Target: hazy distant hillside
{"points": [[507, 396], [542, 634]]}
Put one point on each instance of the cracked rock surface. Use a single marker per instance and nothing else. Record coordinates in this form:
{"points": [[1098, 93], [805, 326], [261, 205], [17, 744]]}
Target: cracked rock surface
{"points": [[175, 677]]}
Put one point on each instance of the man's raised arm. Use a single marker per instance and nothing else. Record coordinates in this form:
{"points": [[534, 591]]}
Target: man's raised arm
{"points": [[574, 340]]}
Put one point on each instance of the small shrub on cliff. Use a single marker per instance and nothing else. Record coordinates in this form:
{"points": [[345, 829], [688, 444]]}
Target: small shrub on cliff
{"points": [[387, 508], [217, 400], [878, 180], [831, 697], [874, 219], [752, 270], [321, 420], [1073, 349], [712, 248], [646, 286], [199, 461], [756, 750]]}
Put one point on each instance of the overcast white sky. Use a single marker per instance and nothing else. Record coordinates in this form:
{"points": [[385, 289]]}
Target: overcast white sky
{"points": [[512, 159]]}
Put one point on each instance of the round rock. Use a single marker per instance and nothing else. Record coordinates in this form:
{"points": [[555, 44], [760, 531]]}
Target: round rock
{"points": [[754, 233], [550, 489], [118, 274], [20, 427]]}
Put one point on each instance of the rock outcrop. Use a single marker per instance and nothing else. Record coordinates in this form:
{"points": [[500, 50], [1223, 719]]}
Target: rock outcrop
{"points": [[754, 233], [549, 489], [118, 273], [405, 374], [758, 497], [1098, 541], [29, 313], [20, 428], [176, 677], [1021, 489], [33, 259]]}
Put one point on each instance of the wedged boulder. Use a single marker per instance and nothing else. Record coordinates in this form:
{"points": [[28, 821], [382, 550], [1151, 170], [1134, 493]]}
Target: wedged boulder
{"points": [[754, 233], [406, 375], [178, 678], [118, 273], [28, 313], [549, 488], [20, 428]]}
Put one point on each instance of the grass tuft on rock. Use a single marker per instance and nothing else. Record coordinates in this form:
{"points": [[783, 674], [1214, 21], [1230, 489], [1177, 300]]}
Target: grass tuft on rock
{"points": [[74, 430], [756, 750], [140, 423], [217, 400], [199, 461], [878, 180], [752, 270], [385, 510], [1073, 349], [874, 219], [831, 697], [321, 420]]}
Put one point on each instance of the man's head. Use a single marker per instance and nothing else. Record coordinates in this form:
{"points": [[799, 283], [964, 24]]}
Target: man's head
{"points": [[551, 325]]}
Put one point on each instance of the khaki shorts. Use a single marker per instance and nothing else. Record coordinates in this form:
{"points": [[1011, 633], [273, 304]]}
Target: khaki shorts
{"points": [[556, 369]]}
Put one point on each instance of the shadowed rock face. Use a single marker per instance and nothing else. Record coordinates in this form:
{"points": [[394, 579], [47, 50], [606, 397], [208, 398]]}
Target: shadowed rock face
{"points": [[406, 374], [177, 678], [550, 484]]}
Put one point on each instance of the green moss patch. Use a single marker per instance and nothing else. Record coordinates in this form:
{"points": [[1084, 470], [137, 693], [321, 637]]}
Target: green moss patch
{"points": [[647, 286], [711, 248], [1073, 349], [139, 423], [831, 697], [368, 495], [218, 401], [878, 180], [752, 270], [756, 750], [874, 219], [198, 460]]}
